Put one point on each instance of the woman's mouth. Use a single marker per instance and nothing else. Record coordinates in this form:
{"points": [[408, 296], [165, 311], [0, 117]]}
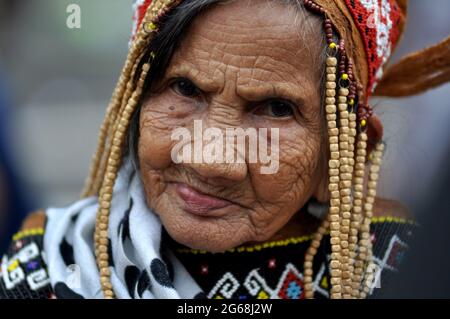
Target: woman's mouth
{"points": [[198, 203]]}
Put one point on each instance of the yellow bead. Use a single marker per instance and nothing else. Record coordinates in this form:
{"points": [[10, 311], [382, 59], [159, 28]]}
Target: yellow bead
{"points": [[13, 265], [351, 102], [363, 123], [332, 45], [345, 76]]}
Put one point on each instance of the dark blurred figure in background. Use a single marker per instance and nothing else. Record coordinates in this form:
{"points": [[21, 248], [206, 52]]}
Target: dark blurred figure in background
{"points": [[424, 273], [13, 205]]}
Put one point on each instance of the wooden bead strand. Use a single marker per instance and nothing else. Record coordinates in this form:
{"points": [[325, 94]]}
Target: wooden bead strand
{"points": [[345, 177], [310, 5], [334, 218], [358, 198], [349, 252], [121, 104], [126, 92], [95, 177], [334, 178], [355, 216], [101, 227], [334, 161], [138, 45], [104, 153], [309, 258], [352, 88], [366, 241], [107, 159]]}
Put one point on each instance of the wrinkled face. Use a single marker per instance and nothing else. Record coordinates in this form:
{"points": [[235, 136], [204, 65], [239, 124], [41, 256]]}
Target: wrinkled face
{"points": [[245, 64]]}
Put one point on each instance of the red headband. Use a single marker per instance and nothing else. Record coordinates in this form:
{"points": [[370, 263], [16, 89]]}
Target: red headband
{"points": [[378, 23]]}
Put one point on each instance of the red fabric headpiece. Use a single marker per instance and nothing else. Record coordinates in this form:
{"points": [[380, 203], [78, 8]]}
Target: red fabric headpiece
{"points": [[378, 23]]}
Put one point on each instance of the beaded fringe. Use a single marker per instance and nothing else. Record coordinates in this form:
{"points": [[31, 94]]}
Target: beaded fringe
{"points": [[351, 208]]}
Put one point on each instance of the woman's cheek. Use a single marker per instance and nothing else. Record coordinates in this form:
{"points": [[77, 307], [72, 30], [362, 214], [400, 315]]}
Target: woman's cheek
{"points": [[160, 118], [155, 143], [296, 169]]}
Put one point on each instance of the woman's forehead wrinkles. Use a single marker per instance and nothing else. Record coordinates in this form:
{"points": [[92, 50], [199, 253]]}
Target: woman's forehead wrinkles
{"points": [[271, 52], [211, 70], [245, 32], [232, 51]]}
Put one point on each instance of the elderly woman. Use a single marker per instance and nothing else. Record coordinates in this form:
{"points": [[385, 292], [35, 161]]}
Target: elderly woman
{"points": [[171, 211]]}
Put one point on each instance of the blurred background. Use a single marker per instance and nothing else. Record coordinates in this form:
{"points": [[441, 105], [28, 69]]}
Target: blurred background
{"points": [[55, 84]]}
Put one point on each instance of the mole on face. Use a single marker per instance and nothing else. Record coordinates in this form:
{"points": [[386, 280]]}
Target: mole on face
{"points": [[244, 64]]}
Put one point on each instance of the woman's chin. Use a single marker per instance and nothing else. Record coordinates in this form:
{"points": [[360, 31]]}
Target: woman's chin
{"points": [[215, 231], [213, 234]]}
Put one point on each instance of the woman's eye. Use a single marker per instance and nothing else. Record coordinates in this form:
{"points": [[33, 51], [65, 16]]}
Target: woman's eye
{"points": [[276, 108], [185, 87]]}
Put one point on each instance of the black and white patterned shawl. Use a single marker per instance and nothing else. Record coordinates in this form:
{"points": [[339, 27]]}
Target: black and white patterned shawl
{"points": [[141, 267]]}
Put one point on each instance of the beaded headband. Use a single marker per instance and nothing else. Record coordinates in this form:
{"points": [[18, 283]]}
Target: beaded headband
{"points": [[347, 114]]}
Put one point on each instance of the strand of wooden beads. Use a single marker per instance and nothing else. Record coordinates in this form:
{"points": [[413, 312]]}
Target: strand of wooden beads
{"points": [[354, 221], [107, 159], [333, 216], [376, 158], [352, 88], [310, 5], [114, 123], [138, 45], [360, 166], [105, 197], [98, 165], [361, 153], [95, 177], [333, 171], [345, 177], [309, 258], [126, 95], [105, 156], [355, 216]]}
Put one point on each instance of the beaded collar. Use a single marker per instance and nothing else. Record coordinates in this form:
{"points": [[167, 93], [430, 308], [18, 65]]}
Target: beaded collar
{"points": [[275, 269]]}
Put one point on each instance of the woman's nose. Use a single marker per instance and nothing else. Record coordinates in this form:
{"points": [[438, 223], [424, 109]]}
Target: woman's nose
{"points": [[221, 173], [223, 115]]}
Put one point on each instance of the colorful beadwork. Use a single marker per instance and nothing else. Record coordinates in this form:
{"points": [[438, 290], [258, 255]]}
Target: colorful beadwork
{"points": [[239, 275]]}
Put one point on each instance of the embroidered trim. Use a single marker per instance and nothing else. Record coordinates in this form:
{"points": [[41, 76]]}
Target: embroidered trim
{"points": [[290, 241], [290, 284], [249, 249], [24, 273], [391, 219], [27, 233]]}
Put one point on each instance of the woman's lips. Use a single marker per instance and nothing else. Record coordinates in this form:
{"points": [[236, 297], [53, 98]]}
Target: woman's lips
{"points": [[198, 203]]}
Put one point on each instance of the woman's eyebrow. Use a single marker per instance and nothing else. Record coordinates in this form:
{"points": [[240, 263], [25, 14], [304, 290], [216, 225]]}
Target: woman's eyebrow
{"points": [[189, 71], [267, 90]]}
